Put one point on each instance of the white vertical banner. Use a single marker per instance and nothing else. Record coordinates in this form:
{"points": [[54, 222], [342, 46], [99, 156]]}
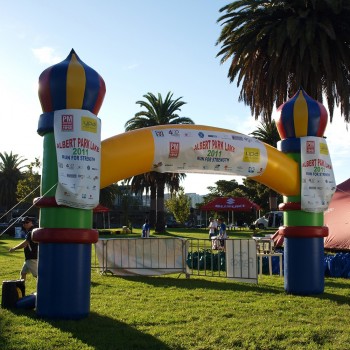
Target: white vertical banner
{"points": [[241, 263], [78, 147], [317, 177]]}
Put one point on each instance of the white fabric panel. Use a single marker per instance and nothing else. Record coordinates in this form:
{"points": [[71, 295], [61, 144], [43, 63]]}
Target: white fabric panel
{"points": [[241, 260], [142, 256]]}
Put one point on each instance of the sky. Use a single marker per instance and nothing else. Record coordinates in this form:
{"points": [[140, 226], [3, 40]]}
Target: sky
{"points": [[137, 46]]}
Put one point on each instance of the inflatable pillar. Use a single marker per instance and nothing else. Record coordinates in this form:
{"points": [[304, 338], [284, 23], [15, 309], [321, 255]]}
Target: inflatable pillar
{"points": [[65, 234], [303, 231]]}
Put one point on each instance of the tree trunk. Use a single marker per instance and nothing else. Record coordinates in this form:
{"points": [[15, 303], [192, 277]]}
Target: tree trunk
{"points": [[153, 206], [160, 225], [273, 200]]}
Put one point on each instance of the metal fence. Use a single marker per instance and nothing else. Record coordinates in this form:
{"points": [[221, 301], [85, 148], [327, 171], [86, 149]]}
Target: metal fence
{"points": [[230, 258]]}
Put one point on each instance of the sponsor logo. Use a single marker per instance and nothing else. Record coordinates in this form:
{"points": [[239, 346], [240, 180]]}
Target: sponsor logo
{"points": [[324, 149], [88, 124], [310, 147], [159, 133], [174, 132], [251, 155], [200, 134], [67, 122], [236, 137], [213, 136], [174, 149]]}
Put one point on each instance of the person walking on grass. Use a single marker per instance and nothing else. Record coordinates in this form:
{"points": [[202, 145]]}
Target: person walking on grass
{"points": [[213, 226], [146, 229], [30, 250]]}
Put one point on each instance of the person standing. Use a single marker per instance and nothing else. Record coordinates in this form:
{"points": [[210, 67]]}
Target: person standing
{"points": [[146, 229], [212, 228], [222, 232], [30, 250]]}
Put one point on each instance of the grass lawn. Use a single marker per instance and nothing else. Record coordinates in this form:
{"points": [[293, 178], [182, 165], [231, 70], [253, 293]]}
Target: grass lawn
{"points": [[172, 312]]}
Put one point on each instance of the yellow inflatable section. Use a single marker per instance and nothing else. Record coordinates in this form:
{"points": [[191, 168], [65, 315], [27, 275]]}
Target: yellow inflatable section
{"points": [[132, 153]]}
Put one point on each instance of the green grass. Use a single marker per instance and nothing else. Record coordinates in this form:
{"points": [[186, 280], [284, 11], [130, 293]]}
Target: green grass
{"points": [[172, 312]]}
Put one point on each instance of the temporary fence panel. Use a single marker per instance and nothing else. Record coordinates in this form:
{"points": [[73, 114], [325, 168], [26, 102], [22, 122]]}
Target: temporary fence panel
{"points": [[241, 260], [231, 258], [146, 256]]}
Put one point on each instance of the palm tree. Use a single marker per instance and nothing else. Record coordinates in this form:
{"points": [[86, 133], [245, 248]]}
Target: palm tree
{"points": [[146, 182], [10, 174], [108, 195], [275, 47], [267, 132], [158, 112]]}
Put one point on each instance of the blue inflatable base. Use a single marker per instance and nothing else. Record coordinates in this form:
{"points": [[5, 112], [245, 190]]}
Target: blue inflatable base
{"points": [[27, 302], [304, 265]]}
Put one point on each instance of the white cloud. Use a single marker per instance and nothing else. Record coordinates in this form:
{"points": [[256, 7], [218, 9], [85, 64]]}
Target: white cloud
{"points": [[46, 55], [132, 66]]}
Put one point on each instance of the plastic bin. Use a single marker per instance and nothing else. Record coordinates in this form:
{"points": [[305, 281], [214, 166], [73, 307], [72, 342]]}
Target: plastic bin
{"points": [[12, 291]]}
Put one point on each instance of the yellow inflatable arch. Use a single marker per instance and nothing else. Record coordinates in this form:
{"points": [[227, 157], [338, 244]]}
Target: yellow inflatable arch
{"points": [[134, 152]]}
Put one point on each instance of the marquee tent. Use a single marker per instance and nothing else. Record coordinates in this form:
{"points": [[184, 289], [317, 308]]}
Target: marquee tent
{"points": [[98, 221], [337, 218], [230, 204]]}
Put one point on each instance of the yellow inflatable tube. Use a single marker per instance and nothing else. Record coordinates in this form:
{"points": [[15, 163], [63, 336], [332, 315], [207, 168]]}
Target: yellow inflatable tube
{"points": [[132, 153]]}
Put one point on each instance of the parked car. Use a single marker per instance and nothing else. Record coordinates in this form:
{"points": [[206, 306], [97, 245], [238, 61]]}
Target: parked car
{"points": [[172, 224], [271, 219]]}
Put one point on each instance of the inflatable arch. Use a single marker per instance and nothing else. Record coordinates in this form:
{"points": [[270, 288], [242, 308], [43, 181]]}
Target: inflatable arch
{"points": [[73, 89]]}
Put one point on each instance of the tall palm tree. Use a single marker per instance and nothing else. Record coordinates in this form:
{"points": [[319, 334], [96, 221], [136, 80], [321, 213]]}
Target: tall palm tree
{"points": [[10, 173], [146, 182], [158, 111], [267, 132], [275, 47], [108, 195]]}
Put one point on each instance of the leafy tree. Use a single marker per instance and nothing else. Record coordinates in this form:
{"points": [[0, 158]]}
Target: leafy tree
{"points": [[222, 188], [11, 166], [28, 187], [275, 47], [158, 112], [179, 205]]}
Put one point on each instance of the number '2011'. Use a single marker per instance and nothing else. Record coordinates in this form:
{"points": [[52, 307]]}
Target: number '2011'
{"points": [[213, 153], [80, 152]]}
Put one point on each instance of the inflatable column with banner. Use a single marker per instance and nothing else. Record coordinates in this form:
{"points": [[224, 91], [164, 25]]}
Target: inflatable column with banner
{"points": [[71, 94], [301, 123]]}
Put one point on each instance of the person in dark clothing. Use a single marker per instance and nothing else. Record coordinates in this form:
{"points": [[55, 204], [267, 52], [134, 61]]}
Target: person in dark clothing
{"points": [[30, 250]]}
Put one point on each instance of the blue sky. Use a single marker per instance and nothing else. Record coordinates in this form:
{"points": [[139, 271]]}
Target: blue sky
{"points": [[137, 47]]}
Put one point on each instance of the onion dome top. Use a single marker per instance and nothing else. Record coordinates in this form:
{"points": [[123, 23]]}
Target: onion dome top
{"points": [[301, 116], [71, 84]]}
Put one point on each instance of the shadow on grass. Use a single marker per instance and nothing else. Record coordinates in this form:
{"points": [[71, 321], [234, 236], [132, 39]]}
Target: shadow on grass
{"points": [[189, 284], [339, 299], [101, 332]]}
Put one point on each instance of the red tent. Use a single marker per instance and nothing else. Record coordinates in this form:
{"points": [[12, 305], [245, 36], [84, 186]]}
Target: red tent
{"points": [[102, 222], [101, 209], [230, 204], [337, 218]]}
